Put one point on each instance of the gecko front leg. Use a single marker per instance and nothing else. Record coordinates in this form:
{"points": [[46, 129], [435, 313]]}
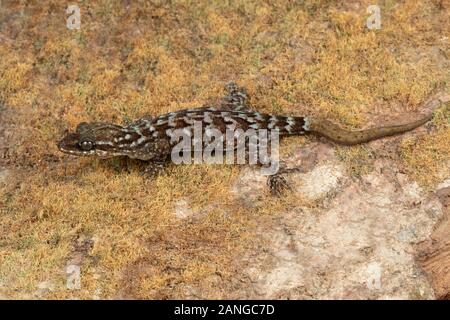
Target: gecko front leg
{"points": [[155, 167], [157, 153]]}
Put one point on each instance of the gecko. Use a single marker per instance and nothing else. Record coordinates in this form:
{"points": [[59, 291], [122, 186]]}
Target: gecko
{"points": [[149, 138]]}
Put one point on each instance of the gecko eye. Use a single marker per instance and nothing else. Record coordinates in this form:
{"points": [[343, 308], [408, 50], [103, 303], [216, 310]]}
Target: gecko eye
{"points": [[86, 145]]}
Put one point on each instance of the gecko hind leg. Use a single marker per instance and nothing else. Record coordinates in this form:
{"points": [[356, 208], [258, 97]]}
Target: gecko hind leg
{"points": [[277, 182], [236, 99]]}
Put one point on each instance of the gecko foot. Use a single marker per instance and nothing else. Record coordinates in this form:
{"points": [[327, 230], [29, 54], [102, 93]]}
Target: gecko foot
{"points": [[277, 184], [154, 169]]}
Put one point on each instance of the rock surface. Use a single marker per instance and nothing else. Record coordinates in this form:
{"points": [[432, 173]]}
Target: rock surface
{"points": [[358, 244], [433, 255]]}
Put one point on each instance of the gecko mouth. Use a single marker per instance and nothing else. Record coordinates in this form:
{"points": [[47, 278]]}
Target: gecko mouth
{"points": [[75, 152]]}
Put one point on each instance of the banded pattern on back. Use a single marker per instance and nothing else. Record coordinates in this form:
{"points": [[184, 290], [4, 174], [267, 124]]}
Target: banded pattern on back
{"points": [[211, 118], [147, 136]]}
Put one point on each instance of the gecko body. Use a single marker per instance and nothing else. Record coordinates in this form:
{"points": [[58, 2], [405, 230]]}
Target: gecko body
{"points": [[150, 138]]}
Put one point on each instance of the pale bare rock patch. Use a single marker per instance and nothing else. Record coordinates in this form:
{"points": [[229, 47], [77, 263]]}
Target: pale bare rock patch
{"points": [[182, 209], [318, 182], [359, 246]]}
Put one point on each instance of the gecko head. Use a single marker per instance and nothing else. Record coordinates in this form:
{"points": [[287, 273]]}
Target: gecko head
{"points": [[101, 139]]}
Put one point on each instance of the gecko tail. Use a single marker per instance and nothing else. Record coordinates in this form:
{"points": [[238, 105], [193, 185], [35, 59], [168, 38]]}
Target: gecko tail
{"points": [[339, 135]]}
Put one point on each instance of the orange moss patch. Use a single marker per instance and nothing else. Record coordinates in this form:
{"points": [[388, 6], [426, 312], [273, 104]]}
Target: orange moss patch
{"points": [[130, 60], [427, 158]]}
